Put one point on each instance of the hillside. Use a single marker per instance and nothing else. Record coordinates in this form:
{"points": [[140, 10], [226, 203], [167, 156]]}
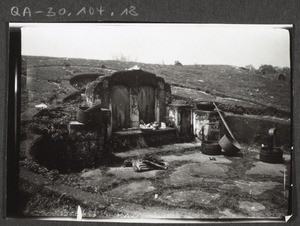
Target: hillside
{"points": [[235, 89]]}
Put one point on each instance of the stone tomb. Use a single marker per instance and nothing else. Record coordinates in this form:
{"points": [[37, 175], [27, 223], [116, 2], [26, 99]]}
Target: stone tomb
{"points": [[181, 116], [132, 97]]}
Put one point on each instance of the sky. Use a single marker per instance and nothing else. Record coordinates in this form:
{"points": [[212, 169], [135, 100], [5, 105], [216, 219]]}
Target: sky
{"points": [[238, 45]]}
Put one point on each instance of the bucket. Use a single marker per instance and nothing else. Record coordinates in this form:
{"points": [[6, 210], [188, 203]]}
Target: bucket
{"points": [[271, 155], [90, 116], [229, 145], [205, 106]]}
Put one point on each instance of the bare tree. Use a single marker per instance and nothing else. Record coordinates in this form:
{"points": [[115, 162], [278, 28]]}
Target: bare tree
{"points": [[122, 57]]}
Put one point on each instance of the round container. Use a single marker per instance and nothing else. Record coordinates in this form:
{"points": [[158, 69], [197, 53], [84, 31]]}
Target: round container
{"points": [[80, 80], [82, 115], [271, 155], [211, 148], [205, 106], [230, 146], [89, 116]]}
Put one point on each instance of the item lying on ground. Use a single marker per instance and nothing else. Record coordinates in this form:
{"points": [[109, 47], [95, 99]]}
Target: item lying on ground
{"points": [[148, 162], [163, 125], [135, 67], [140, 166], [153, 126], [228, 143], [41, 106], [127, 163], [270, 153]]}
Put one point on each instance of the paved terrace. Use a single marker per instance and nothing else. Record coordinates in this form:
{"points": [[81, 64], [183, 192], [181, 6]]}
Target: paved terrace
{"points": [[194, 186]]}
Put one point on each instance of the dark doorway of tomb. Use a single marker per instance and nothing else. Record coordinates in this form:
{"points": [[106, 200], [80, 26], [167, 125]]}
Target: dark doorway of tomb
{"points": [[146, 103], [185, 122], [120, 101]]}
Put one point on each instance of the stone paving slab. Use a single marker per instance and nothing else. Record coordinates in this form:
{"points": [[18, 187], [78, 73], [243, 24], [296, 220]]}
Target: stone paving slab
{"points": [[256, 188], [182, 178], [227, 186], [130, 191], [187, 198], [129, 173], [207, 169], [196, 157], [251, 206], [195, 173], [228, 214], [131, 210], [268, 169]]}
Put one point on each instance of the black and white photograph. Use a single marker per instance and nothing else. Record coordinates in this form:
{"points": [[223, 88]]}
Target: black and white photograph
{"points": [[155, 121]]}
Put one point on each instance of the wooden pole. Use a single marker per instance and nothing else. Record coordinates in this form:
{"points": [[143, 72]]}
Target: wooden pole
{"points": [[224, 122]]}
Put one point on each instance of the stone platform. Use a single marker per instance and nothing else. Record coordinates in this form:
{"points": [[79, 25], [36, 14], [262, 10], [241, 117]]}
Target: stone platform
{"points": [[141, 138], [193, 186]]}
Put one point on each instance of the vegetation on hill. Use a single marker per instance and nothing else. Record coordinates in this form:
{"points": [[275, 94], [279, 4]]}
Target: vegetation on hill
{"points": [[244, 86]]}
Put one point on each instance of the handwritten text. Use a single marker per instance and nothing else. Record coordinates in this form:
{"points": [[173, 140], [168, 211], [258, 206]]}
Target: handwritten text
{"points": [[83, 11]]}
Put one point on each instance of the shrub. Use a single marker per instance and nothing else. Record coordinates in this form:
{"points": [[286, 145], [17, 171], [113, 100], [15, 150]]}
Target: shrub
{"points": [[51, 123], [177, 63], [67, 64], [267, 69]]}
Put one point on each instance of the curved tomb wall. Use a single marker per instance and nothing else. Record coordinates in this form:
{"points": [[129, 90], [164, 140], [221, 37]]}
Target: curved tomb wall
{"points": [[146, 94]]}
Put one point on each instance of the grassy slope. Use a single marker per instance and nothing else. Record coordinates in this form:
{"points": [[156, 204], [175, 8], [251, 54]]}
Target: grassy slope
{"points": [[217, 80]]}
